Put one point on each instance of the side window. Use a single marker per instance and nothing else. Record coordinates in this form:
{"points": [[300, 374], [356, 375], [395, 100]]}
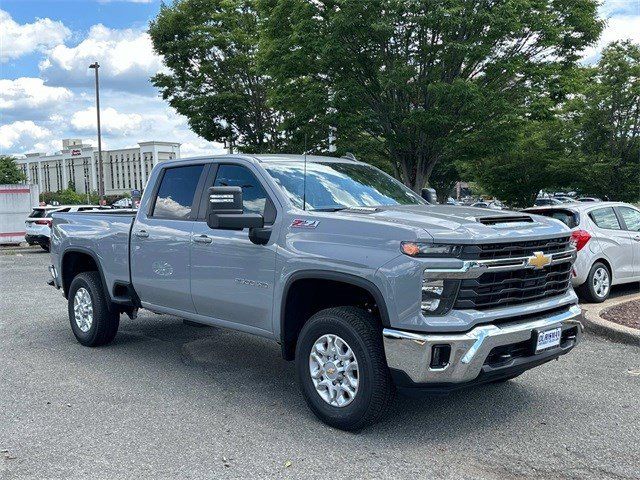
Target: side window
{"points": [[175, 194], [605, 218], [631, 217], [254, 197]]}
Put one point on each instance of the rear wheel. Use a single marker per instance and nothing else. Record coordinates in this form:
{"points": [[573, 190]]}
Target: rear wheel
{"points": [[598, 285], [92, 323], [342, 370]]}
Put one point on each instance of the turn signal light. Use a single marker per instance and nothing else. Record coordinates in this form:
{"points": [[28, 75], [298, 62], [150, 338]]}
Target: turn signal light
{"points": [[579, 238]]}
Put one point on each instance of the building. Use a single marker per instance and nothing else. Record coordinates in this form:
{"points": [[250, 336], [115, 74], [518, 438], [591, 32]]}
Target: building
{"points": [[124, 170]]}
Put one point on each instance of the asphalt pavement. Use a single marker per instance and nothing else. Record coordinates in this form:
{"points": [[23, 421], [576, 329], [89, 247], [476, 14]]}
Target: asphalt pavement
{"points": [[167, 400]]}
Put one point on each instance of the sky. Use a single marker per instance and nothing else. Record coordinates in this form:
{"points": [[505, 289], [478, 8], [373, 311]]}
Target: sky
{"points": [[47, 91]]}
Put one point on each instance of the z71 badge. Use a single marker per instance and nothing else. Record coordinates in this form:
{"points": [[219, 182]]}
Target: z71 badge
{"points": [[300, 223]]}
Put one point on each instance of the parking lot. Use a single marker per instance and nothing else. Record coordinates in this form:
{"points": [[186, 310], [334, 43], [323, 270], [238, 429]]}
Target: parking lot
{"points": [[171, 400]]}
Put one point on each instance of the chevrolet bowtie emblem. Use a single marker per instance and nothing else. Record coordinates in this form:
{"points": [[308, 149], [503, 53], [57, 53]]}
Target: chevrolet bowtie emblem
{"points": [[538, 260]]}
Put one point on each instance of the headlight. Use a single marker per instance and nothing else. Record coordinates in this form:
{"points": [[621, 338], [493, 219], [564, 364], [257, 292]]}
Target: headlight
{"points": [[423, 249], [438, 296]]}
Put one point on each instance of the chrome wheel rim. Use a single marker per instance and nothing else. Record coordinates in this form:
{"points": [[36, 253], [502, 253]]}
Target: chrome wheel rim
{"points": [[334, 370], [601, 282], [83, 309]]}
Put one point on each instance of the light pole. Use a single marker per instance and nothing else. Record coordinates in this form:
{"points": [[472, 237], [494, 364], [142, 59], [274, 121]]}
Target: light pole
{"points": [[95, 66]]}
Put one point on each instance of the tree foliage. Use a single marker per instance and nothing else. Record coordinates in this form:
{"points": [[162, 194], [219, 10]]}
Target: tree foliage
{"points": [[10, 173], [209, 48], [418, 76], [606, 118]]}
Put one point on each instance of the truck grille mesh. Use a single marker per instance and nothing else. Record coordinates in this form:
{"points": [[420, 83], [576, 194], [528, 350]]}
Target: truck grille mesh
{"points": [[501, 289], [492, 251]]}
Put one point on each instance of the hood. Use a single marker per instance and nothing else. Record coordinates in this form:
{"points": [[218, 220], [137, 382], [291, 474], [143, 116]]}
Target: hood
{"points": [[457, 224]]}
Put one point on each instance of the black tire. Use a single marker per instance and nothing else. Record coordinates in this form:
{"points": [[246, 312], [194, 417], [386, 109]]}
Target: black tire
{"points": [[105, 322], [45, 247], [587, 291], [375, 392]]}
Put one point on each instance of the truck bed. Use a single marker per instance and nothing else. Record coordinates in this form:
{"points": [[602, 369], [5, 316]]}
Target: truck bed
{"points": [[102, 234]]}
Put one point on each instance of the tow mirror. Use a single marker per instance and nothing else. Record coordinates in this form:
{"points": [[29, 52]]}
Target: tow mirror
{"points": [[225, 212]]}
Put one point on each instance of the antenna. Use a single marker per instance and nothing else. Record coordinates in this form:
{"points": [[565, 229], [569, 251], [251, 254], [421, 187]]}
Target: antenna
{"points": [[304, 181]]}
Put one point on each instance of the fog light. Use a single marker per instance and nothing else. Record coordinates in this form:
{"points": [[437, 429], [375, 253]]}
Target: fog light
{"points": [[431, 294], [440, 356]]}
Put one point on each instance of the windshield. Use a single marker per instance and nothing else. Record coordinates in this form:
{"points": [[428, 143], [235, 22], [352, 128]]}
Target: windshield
{"points": [[332, 186]]}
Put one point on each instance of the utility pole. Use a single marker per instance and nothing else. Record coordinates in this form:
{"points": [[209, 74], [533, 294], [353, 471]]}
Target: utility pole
{"points": [[95, 66]]}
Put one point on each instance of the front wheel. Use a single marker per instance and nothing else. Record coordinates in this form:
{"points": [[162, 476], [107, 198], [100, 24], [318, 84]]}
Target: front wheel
{"points": [[92, 322], [342, 370]]}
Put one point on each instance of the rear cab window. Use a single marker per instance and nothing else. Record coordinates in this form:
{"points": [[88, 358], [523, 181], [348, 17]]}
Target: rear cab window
{"points": [[605, 218], [175, 195]]}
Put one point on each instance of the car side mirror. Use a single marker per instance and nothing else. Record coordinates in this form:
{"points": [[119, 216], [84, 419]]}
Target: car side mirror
{"points": [[225, 212]]}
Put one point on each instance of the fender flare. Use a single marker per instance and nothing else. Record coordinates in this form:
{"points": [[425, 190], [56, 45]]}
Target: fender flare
{"points": [[355, 280], [92, 254]]}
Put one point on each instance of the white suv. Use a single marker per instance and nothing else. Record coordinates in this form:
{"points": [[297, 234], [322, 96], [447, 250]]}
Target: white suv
{"points": [[38, 223], [607, 236]]}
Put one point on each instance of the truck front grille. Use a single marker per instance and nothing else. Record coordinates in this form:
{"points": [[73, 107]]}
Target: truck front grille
{"points": [[493, 251], [500, 289]]}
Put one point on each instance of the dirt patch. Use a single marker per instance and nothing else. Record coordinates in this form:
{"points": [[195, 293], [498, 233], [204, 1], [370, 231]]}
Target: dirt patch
{"points": [[627, 314]]}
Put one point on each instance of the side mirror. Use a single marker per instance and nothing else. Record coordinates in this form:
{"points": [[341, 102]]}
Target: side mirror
{"points": [[224, 210]]}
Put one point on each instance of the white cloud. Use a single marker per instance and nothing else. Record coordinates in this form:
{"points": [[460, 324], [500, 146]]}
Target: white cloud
{"points": [[26, 93], [20, 135], [111, 121], [619, 27], [126, 60], [17, 40]]}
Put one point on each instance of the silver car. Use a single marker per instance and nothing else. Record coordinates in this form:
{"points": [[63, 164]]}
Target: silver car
{"points": [[607, 236]]}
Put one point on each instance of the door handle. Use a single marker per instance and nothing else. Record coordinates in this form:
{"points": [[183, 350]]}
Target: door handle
{"points": [[202, 239], [637, 238], [142, 234]]}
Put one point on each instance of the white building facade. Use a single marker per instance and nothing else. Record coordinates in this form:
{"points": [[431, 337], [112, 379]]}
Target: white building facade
{"points": [[124, 170]]}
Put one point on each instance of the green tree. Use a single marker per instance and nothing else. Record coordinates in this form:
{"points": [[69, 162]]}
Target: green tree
{"points": [[515, 171], [210, 48], [606, 126], [419, 77], [10, 173]]}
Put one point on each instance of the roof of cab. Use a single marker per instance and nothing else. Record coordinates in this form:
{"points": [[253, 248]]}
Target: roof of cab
{"points": [[266, 158]]}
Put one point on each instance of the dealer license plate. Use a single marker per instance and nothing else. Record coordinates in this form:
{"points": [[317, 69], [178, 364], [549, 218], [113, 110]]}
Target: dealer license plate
{"points": [[548, 339]]}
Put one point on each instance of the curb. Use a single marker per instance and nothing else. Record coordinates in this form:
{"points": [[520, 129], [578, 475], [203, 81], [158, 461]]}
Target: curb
{"points": [[594, 323]]}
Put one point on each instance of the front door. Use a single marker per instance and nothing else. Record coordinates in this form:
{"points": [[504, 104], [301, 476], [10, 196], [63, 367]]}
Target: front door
{"points": [[232, 279], [631, 218], [616, 242], [161, 238]]}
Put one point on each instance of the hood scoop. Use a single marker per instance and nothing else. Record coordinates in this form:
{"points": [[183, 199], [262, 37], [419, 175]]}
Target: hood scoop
{"points": [[361, 210], [506, 220]]}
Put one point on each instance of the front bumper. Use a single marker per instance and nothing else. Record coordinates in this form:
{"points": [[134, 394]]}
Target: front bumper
{"points": [[411, 353]]}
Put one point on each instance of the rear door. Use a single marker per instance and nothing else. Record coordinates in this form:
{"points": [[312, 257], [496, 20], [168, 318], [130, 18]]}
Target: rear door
{"points": [[616, 242], [631, 219], [232, 278], [161, 236]]}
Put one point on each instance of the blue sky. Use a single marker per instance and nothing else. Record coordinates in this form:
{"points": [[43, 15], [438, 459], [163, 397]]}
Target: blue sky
{"points": [[46, 89]]}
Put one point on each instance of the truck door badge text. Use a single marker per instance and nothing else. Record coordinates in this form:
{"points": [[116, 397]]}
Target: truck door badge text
{"points": [[300, 223]]}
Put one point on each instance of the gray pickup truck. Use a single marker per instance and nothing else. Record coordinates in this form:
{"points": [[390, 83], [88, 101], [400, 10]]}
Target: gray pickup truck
{"points": [[366, 286]]}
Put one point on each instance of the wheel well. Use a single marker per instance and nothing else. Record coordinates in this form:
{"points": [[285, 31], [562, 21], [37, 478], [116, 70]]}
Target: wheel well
{"points": [[606, 264], [307, 296], [74, 263]]}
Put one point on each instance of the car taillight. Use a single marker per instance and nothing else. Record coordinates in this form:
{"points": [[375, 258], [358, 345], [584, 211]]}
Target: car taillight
{"points": [[43, 222], [579, 238]]}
